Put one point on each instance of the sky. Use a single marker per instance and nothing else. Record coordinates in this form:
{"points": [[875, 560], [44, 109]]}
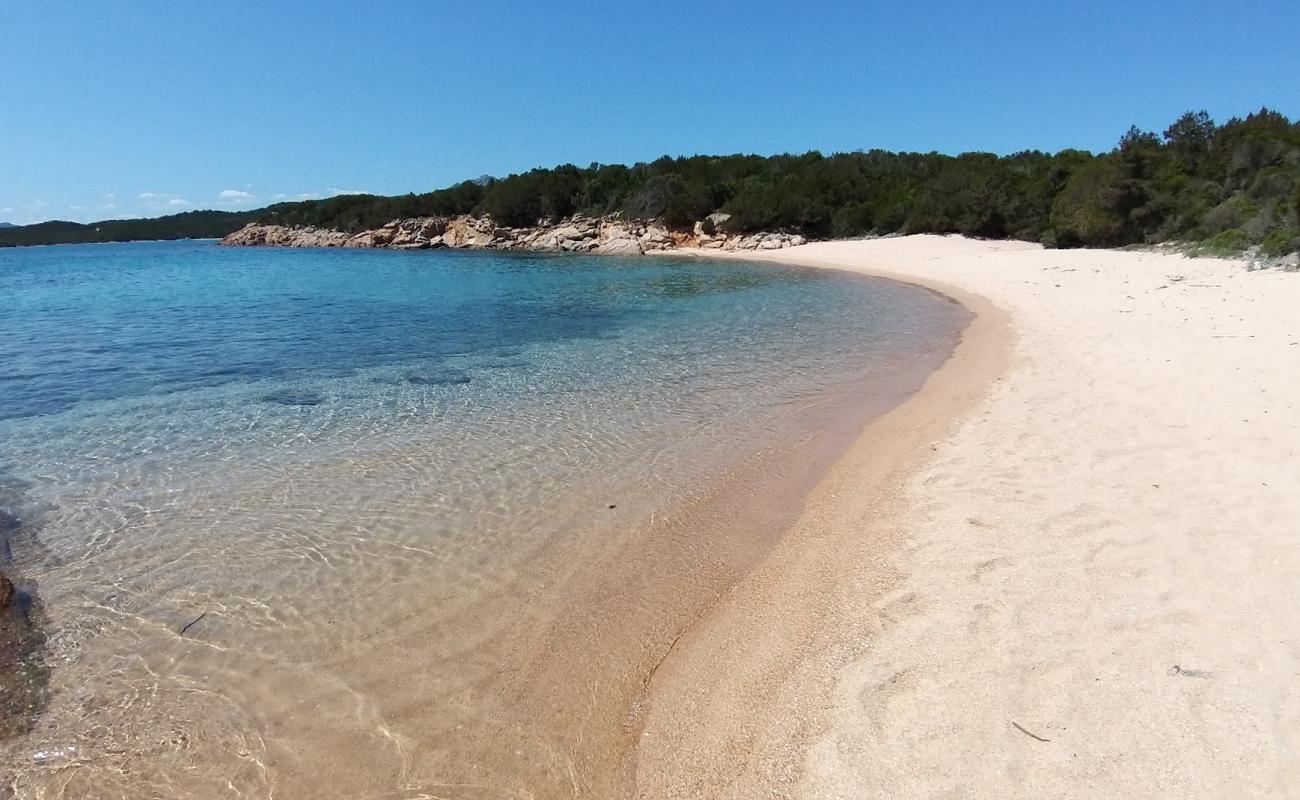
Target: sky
{"points": [[132, 108]]}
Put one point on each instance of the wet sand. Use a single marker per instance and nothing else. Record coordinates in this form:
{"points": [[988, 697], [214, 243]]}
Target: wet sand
{"points": [[1068, 567]]}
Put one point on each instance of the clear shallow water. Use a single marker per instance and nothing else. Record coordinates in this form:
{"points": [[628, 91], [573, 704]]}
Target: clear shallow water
{"points": [[385, 481]]}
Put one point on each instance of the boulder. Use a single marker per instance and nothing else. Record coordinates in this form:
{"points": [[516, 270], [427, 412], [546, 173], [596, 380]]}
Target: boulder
{"points": [[623, 246], [718, 218], [655, 238], [567, 233]]}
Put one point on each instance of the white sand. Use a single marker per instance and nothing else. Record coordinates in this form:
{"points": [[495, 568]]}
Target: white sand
{"points": [[1101, 545]]}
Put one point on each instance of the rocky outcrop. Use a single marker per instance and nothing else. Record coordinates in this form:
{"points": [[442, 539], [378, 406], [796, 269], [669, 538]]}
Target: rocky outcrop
{"points": [[601, 235], [281, 236]]}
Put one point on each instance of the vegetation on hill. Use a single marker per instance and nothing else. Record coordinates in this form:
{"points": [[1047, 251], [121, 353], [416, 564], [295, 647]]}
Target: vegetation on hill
{"points": [[190, 225], [1230, 186], [1233, 185]]}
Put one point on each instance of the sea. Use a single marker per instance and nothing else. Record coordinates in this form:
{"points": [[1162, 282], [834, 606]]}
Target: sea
{"points": [[391, 524]]}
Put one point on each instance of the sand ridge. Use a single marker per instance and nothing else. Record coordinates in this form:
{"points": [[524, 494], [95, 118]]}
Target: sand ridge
{"points": [[1082, 583]]}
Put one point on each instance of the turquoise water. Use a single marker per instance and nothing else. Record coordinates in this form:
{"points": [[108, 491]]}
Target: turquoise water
{"points": [[380, 480]]}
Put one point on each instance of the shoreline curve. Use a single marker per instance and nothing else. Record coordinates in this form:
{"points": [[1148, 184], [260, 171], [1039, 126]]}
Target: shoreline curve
{"points": [[1082, 586], [732, 687]]}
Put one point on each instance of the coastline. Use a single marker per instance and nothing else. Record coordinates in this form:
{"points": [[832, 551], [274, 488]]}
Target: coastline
{"points": [[555, 719], [1065, 566], [728, 711]]}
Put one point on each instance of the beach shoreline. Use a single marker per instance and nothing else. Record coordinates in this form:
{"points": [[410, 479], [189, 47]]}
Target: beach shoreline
{"points": [[1065, 566], [755, 653], [530, 672]]}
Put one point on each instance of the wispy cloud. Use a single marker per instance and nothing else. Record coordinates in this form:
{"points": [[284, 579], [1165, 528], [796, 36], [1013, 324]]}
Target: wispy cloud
{"points": [[234, 197], [332, 191], [161, 202]]}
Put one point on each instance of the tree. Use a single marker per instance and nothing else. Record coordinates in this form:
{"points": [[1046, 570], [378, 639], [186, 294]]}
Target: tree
{"points": [[1191, 138], [1086, 212]]}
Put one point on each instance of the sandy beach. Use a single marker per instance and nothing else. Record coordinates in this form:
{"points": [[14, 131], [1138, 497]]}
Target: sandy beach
{"points": [[1068, 567]]}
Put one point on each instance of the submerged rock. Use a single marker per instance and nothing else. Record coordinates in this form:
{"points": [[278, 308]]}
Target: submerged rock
{"points": [[294, 397], [437, 377], [23, 673]]}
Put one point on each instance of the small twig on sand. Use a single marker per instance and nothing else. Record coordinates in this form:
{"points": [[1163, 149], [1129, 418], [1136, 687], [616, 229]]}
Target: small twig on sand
{"points": [[1191, 673], [1017, 726], [192, 623], [1233, 336]]}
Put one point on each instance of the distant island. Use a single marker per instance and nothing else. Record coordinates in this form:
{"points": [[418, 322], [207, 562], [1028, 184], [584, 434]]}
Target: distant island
{"points": [[1230, 187], [7, 225], [189, 225]]}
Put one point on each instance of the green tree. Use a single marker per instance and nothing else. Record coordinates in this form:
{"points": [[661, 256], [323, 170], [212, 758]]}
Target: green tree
{"points": [[1086, 212]]}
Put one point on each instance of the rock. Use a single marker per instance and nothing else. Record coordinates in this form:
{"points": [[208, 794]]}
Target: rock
{"points": [[254, 235], [6, 593], [578, 234], [655, 238], [567, 233], [626, 246]]}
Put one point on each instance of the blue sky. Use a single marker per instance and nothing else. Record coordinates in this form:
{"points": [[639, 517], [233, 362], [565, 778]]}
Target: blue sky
{"points": [[125, 108]]}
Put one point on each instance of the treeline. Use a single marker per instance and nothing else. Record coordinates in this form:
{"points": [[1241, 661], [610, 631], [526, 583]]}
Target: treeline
{"points": [[190, 225], [1232, 185]]}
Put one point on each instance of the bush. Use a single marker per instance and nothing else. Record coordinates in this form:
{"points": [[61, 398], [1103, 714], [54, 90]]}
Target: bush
{"points": [[1087, 212], [1227, 243], [1280, 242], [1231, 213], [852, 220]]}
